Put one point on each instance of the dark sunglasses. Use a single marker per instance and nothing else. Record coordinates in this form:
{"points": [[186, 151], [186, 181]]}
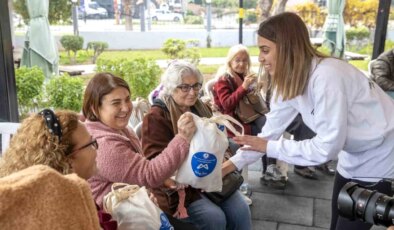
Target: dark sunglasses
{"points": [[92, 143], [186, 88]]}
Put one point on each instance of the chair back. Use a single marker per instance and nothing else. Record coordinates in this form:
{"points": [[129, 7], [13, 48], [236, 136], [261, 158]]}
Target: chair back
{"points": [[7, 129]]}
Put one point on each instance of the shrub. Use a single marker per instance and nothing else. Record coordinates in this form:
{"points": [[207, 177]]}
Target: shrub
{"points": [[194, 20], [357, 33], [97, 47], [141, 74], [65, 92], [182, 49], [29, 82], [72, 43]]}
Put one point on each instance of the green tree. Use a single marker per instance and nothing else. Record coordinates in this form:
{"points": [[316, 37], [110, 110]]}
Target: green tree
{"points": [[72, 43], [97, 47], [59, 11], [29, 82], [141, 74], [182, 49], [65, 92]]}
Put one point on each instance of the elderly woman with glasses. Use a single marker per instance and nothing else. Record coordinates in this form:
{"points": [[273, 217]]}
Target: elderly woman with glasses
{"points": [[179, 95], [58, 140], [107, 108]]}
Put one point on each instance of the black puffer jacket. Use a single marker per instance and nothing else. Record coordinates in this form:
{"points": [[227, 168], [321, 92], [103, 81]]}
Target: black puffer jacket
{"points": [[382, 70]]}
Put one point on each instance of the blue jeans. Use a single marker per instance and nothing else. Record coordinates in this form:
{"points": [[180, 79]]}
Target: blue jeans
{"points": [[233, 213]]}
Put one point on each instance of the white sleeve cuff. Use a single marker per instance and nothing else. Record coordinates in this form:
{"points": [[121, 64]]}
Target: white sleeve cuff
{"points": [[245, 157], [272, 151]]}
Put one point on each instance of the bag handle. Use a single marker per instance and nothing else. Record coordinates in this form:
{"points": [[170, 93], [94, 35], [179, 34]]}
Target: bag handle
{"points": [[224, 120], [121, 191]]}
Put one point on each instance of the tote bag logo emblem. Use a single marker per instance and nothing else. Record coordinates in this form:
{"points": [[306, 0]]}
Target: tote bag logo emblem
{"points": [[203, 163], [220, 127], [165, 223]]}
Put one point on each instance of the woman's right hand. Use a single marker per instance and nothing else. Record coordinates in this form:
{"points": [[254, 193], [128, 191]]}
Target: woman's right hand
{"points": [[186, 126], [248, 80]]}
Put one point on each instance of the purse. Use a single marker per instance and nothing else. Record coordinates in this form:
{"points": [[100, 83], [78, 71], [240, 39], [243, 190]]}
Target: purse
{"points": [[250, 107], [231, 183]]}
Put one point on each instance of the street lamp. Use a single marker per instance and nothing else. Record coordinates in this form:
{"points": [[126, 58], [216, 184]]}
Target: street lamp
{"points": [[209, 16], [75, 16]]}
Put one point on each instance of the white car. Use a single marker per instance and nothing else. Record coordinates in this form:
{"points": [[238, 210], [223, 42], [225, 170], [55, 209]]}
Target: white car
{"points": [[93, 10], [166, 15]]}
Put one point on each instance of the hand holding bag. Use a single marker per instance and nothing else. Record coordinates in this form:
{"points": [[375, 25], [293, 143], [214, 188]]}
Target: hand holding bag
{"points": [[132, 208], [203, 167], [251, 106]]}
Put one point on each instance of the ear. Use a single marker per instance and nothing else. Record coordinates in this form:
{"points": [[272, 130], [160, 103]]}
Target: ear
{"points": [[96, 114]]}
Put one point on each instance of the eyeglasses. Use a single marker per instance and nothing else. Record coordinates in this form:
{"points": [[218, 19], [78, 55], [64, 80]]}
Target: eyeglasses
{"points": [[93, 143], [186, 88]]}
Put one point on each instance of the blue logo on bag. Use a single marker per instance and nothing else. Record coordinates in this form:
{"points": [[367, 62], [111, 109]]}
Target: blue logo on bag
{"points": [[203, 163], [220, 127], [165, 224]]}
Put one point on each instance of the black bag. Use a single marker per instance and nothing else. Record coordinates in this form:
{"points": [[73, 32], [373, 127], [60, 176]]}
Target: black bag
{"points": [[231, 183]]}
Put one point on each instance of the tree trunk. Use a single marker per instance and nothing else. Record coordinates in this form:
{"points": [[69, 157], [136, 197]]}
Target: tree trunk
{"points": [[280, 7], [265, 6], [127, 8]]}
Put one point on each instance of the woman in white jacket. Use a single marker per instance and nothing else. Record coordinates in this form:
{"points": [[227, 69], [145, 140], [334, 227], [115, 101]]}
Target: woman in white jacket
{"points": [[352, 117]]}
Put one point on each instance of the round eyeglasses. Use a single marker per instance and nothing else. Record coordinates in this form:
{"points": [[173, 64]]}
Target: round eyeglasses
{"points": [[186, 87]]}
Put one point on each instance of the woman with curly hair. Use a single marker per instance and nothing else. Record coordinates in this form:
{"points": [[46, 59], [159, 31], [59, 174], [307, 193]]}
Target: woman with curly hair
{"points": [[56, 139]]}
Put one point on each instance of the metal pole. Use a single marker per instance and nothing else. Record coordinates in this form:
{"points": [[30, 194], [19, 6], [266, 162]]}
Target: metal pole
{"points": [[241, 16], [142, 16], [381, 27], [8, 98], [209, 17], [75, 19], [149, 17]]}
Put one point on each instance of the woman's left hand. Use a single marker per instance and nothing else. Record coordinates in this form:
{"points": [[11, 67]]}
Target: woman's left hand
{"points": [[252, 143]]}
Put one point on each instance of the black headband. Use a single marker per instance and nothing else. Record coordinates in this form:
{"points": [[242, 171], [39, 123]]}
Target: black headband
{"points": [[52, 123]]}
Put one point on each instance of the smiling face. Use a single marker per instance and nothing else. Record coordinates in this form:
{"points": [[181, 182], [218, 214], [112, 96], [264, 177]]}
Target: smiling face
{"points": [[83, 159], [186, 99], [239, 63], [115, 109], [267, 55]]}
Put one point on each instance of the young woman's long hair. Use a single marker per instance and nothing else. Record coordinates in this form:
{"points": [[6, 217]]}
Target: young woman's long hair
{"points": [[33, 144], [294, 53]]}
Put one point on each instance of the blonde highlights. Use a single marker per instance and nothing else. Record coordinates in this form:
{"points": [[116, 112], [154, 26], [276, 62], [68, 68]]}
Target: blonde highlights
{"points": [[294, 53]]}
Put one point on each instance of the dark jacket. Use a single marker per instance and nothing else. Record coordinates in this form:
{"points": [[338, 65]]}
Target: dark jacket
{"points": [[382, 70], [157, 132]]}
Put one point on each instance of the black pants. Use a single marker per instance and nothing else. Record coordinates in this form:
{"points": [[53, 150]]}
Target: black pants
{"points": [[341, 223], [256, 127], [300, 131]]}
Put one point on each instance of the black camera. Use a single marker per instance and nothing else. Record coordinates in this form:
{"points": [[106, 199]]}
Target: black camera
{"points": [[358, 202]]}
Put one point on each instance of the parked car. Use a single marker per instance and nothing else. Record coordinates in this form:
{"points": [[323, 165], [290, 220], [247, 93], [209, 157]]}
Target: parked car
{"points": [[92, 10], [166, 15]]}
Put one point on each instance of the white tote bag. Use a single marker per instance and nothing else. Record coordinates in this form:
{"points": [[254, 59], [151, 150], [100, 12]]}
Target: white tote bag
{"points": [[132, 208], [203, 167]]}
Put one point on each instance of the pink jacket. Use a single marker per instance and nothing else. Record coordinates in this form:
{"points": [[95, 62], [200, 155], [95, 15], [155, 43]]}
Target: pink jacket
{"points": [[120, 159]]}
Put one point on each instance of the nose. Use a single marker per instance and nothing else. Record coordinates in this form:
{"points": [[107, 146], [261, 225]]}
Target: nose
{"points": [[261, 58], [126, 106]]}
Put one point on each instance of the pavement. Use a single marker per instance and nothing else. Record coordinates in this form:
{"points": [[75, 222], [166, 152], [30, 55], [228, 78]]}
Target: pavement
{"points": [[304, 204]]}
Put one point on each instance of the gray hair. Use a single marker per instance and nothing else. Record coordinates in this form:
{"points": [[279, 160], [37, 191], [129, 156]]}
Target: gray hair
{"points": [[173, 75], [233, 51]]}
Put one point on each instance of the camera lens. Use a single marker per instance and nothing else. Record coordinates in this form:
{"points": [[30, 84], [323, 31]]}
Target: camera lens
{"points": [[357, 202]]}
